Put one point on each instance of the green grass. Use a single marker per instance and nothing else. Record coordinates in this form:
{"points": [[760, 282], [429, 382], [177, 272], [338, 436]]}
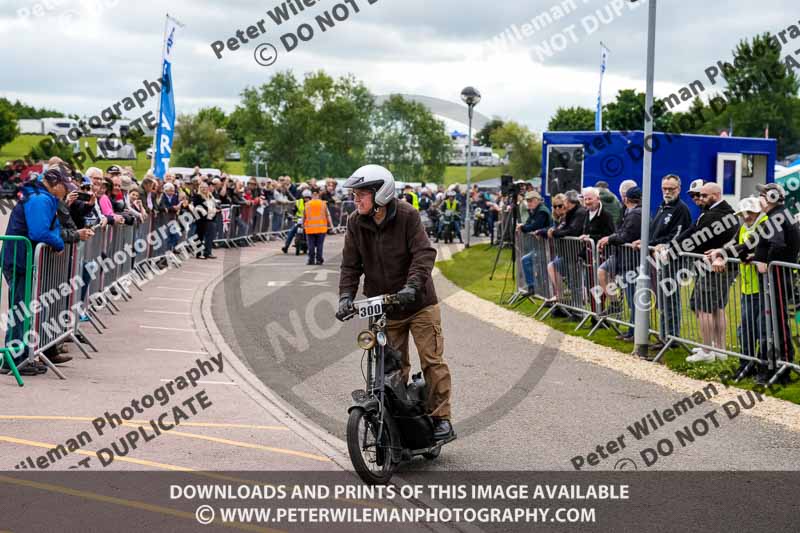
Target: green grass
{"points": [[21, 146], [458, 174], [470, 270]]}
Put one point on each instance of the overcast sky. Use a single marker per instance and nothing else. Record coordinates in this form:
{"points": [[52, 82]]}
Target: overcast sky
{"points": [[81, 56]]}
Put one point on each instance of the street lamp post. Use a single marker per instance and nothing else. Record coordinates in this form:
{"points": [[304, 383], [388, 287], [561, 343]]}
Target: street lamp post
{"points": [[471, 97], [642, 298]]}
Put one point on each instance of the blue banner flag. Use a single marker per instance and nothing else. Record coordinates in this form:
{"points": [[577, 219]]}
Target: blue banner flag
{"points": [[598, 115], [165, 131]]}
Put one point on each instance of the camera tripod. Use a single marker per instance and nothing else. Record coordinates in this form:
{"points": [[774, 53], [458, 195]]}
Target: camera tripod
{"points": [[508, 229]]}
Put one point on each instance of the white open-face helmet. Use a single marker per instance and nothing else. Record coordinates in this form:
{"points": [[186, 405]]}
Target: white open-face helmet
{"points": [[376, 178]]}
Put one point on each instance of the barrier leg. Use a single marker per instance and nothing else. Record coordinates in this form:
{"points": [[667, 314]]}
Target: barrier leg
{"points": [[663, 350], [79, 344], [51, 366], [582, 322], [94, 318], [10, 362], [83, 339]]}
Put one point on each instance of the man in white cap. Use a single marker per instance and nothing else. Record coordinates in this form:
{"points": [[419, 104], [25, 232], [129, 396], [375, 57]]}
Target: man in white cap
{"points": [[752, 330], [694, 193]]}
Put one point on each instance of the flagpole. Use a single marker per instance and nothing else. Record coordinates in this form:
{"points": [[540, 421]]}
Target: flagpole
{"points": [[599, 110], [158, 114]]}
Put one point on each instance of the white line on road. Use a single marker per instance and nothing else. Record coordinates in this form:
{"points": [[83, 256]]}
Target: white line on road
{"points": [[169, 329], [210, 382], [168, 299], [167, 312], [174, 351]]}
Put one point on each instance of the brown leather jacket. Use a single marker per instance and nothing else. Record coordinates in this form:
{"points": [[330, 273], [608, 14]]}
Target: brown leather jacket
{"points": [[392, 255]]}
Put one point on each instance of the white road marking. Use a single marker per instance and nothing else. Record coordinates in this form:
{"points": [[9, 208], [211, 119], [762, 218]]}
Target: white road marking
{"points": [[167, 312], [174, 351], [169, 329], [210, 382]]}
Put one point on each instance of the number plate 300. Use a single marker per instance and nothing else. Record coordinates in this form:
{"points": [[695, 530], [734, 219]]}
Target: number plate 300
{"points": [[370, 308]]}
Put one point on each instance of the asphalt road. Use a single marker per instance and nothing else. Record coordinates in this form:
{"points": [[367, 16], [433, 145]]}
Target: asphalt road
{"points": [[517, 405]]}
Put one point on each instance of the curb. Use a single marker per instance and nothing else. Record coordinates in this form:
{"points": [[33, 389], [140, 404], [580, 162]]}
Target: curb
{"points": [[213, 341]]}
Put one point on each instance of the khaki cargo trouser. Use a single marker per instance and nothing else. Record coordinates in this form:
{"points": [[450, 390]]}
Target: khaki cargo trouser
{"points": [[426, 328]]}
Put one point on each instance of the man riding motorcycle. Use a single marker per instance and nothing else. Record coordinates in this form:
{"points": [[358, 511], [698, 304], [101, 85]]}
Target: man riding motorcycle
{"points": [[386, 242], [451, 205]]}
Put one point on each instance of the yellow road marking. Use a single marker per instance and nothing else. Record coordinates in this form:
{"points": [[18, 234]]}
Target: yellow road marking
{"points": [[315, 457], [133, 504], [229, 442], [13, 440], [138, 422]]}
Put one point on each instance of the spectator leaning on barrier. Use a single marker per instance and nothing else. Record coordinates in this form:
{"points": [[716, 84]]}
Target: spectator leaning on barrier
{"points": [[574, 216], [715, 227], [671, 219], [36, 217], [598, 222], [752, 330], [538, 219], [299, 206], [147, 193], [611, 203], [622, 261], [316, 221], [779, 240]]}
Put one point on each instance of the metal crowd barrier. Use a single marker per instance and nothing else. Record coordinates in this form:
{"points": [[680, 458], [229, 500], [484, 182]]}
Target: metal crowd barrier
{"points": [[571, 270], [704, 309], [783, 317], [16, 325], [616, 302], [53, 275], [532, 256]]}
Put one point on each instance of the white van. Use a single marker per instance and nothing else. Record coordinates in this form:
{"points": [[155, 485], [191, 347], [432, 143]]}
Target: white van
{"points": [[58, 126]]}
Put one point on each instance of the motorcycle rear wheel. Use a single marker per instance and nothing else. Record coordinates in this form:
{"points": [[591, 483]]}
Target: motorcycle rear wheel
{"points": [[372, 463]]}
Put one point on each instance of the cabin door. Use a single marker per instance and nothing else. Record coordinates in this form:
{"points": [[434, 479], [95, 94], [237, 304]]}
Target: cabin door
{"points": [[729, 177]]}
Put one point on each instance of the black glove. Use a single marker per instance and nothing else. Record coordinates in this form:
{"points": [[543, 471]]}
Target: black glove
{"points": [[407, 295], [345, 307]]}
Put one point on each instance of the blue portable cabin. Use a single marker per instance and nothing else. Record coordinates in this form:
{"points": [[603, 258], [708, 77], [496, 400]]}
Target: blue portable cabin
{"points": [[573, 160]]}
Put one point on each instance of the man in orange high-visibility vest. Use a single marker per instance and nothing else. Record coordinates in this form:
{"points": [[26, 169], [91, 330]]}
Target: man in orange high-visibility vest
{"points": [[316, 221]]}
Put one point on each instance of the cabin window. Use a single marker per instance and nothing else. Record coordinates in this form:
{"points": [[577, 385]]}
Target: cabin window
{"points": [[564, 168]]}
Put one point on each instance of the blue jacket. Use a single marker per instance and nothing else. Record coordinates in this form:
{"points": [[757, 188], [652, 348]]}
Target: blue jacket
{"points": [[35, 217]]}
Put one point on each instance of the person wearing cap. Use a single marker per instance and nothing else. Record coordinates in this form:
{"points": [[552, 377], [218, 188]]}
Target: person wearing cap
{"points": [[778, 240], [622, 261], [715, 227], [694, 193], [611, 203], [36, 217], [539, 218], [752, 330], [113, 170]]}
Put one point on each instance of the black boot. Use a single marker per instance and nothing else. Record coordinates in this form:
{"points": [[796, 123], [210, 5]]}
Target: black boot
{"points": [[442, 429]]}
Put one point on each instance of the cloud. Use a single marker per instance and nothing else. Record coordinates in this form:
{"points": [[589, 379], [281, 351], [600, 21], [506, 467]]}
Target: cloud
{"points": [[80, 58]]}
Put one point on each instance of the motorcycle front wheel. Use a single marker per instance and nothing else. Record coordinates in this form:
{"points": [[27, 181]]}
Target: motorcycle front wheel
{"points": [[373, 462]]}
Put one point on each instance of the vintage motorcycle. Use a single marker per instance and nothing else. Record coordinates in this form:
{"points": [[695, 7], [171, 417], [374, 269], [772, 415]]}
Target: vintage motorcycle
{"points": [[388, 422]]}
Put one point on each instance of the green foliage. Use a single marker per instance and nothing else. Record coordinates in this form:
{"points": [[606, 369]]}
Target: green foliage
{"points": [[138, 139], [198, 142], [484, 136], [761, 91], [572, 119], [48, 148], [408, 140], [8, 123], [215, 115], [319, 125], [526, 149], [25, 111], [626, 113]]}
